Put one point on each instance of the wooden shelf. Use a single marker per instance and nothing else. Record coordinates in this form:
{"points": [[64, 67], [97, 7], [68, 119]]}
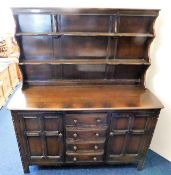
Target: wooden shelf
{"points": [[87, 34], [88, 61]]}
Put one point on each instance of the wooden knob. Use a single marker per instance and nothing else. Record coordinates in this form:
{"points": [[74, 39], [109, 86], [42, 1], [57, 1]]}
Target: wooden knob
{"points": [[60, 135], [75, 121], [75, 135], [96, 147], [74, 147], [98, 120], [94, 158], [74, 159], [111, 133], [97, 134]]}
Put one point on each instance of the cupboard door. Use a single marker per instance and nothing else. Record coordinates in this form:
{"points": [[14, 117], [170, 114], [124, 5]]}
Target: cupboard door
{"points": [[128, 136], [43, 136]]}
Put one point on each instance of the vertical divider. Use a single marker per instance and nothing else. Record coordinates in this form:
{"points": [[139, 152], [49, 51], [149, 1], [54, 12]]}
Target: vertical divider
{"points": [[53, 29], [128, 134], [60, 44], [43, 137]]}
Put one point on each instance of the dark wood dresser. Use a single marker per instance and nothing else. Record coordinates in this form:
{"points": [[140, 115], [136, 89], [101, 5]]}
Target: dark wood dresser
{"points": [[83, 99]]}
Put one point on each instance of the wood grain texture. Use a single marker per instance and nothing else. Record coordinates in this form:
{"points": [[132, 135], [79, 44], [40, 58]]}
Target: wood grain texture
{"points": [[83, 98]]}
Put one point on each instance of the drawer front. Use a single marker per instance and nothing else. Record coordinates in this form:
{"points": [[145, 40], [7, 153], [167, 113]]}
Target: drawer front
{"points": [[86, 119], [84, 158], [76, 147], [85, 134]]}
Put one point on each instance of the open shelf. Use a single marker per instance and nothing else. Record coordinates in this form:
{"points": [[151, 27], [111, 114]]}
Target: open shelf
{"points": [[87, 34], [88, 61]]}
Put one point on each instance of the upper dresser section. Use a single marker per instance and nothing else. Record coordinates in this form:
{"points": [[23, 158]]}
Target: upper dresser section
{"points": [[93, 46]]}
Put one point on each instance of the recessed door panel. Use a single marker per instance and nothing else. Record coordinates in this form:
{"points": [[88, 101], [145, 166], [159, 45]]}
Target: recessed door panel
{"points": [[35, 146], [134, 143], [116, 144]]}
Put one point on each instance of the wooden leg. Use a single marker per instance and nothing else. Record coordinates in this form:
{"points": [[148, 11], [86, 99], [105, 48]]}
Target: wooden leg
{"points": [[140, 165], [26, 168]]}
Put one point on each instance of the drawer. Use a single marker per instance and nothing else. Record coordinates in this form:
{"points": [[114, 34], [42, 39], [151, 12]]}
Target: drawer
{"points": [[86, 119], [88, 157], [73, 133], [81, 146]]}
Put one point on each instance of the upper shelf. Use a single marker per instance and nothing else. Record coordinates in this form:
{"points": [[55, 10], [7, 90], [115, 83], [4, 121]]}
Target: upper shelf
{"points": [[88, 61], [86, 34]]}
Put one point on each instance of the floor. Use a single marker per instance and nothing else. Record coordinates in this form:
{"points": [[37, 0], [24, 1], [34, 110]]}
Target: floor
{"points": [[10, 163]]}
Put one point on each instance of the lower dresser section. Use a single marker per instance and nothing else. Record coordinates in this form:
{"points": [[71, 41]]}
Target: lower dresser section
{"points": [[86, 137]]}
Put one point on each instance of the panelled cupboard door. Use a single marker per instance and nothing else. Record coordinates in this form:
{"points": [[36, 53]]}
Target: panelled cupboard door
{"points": [[129, 135], [43, 136]]}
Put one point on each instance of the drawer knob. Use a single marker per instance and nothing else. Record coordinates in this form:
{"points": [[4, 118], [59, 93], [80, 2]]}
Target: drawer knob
{"points": [[111, 133], [60, 134], [75, 121], [97, 134], [74, 148], [74, 159], [96, 147], [94, 158], [75, 135], [98, 120]]}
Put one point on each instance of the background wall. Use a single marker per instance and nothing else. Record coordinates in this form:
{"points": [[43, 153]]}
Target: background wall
{"points": [[158, 78]]}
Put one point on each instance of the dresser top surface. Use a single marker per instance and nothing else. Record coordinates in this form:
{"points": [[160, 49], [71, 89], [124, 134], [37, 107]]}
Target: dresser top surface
{"points": [[67, 98]]}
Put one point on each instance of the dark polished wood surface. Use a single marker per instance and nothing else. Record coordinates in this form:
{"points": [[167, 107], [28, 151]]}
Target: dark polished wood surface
{"points": [[98, 110], [84, 44], [83, 97]]}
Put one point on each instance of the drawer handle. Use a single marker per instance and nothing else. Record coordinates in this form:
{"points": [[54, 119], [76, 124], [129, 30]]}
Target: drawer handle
{"points": [[74, 148], [74, 159], [60, 135], [75, 135], [111, 133], [98, 120], [96, 147], [75, 121], [94, 158], [97, 134]]}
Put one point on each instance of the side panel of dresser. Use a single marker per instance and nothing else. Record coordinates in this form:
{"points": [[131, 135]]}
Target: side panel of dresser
{"points": [[40, 138], [130, 136]]}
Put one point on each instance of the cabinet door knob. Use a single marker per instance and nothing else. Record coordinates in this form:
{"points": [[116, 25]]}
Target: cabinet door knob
{"points": [[97, 134], [74, 147], [111, 133], [60, 134], [94, 158], [75, 121], [96, 147], [98, 120], [75, 135], [74, 159]]}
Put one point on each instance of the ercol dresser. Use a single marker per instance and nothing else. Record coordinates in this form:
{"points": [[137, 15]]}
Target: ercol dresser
{"points": [[83, 99]]}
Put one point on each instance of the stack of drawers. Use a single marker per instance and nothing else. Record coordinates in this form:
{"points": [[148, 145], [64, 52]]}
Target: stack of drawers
{"points": [[85, 137]]}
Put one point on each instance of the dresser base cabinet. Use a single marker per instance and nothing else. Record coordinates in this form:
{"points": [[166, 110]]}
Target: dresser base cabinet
{"points": [[86, 137]]}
